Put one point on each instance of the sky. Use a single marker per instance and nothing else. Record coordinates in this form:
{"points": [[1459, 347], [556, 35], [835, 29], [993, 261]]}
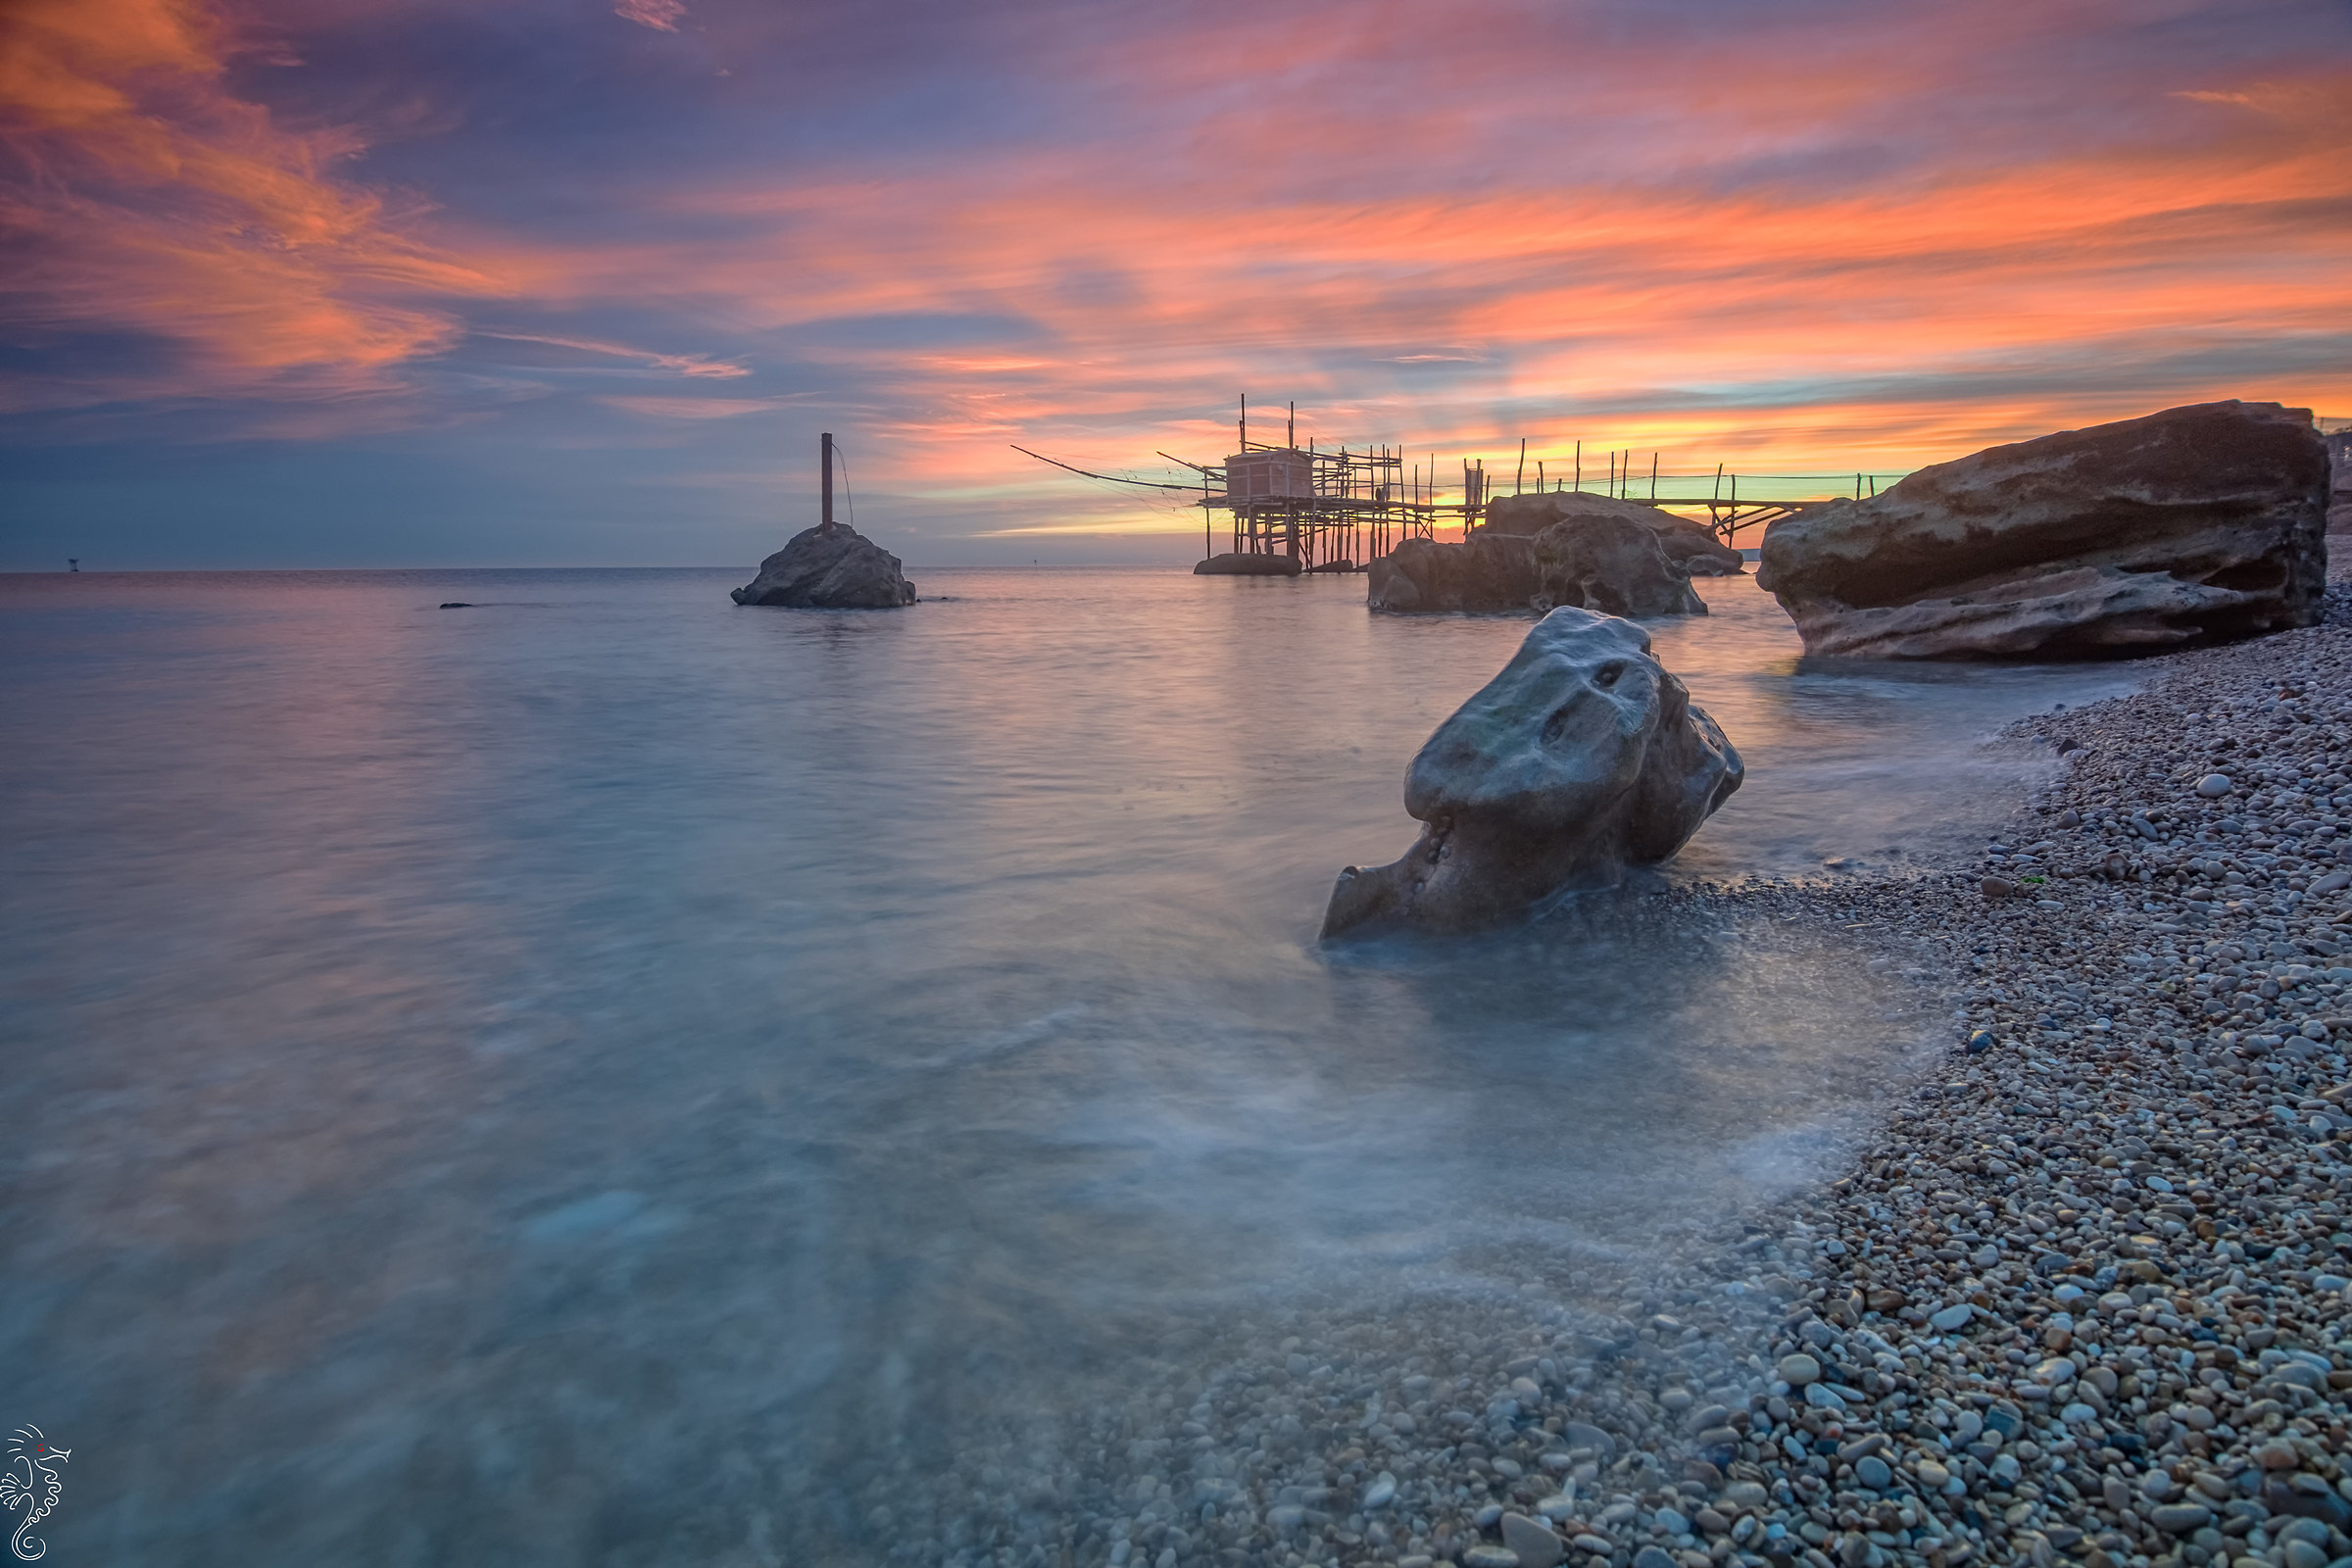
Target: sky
{"points": [[546, 283]]}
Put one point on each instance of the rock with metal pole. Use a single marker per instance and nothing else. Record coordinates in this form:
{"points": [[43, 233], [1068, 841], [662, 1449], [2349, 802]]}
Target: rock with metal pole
{"points": [[830, 566]]}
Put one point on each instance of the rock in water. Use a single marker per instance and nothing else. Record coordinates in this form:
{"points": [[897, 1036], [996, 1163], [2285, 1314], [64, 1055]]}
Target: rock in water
{"points": [[840, 570], [1486, 572], [2339, 495], [1612, 565], [1690, 545], [1582, 757], [1234, 563], [1604, 559], [2197, 523]]}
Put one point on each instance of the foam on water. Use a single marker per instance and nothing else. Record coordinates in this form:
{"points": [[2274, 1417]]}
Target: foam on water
{"points": [[604, 1074]]}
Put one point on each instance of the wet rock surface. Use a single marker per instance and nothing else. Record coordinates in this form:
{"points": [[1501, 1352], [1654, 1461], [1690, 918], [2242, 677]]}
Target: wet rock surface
{"points": [[838, 570], [2198, 524], [1689, 545], [2083, 1300], [1612, 565], [1485, 574], [1582, 757]]}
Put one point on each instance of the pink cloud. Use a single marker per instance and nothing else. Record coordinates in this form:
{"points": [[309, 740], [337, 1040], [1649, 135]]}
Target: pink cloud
{"points": [[661, 14]]}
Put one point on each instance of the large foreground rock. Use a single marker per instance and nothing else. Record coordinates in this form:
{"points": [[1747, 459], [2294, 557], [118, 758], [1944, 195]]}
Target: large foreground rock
{"points": [[838, 570], [1582, 757], [1691, 546], [1485, 573], [2199, 523]]}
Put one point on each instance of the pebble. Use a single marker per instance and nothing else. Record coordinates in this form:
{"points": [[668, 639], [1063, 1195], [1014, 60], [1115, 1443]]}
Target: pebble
{"points": [[1798, 1370], [1532, 1541]]}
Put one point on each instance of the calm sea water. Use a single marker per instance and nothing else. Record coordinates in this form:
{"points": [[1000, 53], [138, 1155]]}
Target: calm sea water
{"points": [[602, 1075]]}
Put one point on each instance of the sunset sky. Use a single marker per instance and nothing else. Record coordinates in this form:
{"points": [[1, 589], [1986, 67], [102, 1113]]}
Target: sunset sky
{"points": [[362, 283]]}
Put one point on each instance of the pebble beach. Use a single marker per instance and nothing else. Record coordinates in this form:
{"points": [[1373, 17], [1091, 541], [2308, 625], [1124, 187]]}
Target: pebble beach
{"points": [[2083, 1298]]}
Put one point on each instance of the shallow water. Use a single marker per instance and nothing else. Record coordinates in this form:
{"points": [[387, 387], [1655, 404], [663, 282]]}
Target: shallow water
{"points": [[599, 1075]]}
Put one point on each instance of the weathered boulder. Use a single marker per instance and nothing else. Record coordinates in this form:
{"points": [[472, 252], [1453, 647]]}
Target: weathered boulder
{"points": [[1234, 563], [1486, 572], [1582, 757], [1692, 546], [2198, 524], [838, 570], [1612, 565]]}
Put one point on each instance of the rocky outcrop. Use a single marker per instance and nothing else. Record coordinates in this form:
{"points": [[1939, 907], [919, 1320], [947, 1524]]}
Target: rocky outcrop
{"points": [[1485, 573], [838, 570], [2339, 468], [1612, 565], [1690, 545], [1591, 560], [1234, 564], [1583, 756], [2198, 524]]}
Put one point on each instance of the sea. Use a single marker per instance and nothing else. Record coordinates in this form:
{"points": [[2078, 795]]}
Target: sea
{"points": [[603, 1075]]}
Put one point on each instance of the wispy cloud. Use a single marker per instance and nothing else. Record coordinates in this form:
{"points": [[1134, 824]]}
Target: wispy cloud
{"points": [[659, 408], [146, 201], [663, 16], [687, 365]]}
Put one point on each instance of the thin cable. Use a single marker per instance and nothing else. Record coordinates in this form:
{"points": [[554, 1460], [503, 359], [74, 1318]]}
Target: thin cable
{"points": [[846, 494]]}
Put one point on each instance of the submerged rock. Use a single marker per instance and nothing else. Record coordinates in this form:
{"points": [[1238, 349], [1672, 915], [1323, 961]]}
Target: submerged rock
{"points": [[1582, 757], [1692, 546], [2198, 524], [838, 570], [1612, 565], [1234, 564], [1486, 572]]}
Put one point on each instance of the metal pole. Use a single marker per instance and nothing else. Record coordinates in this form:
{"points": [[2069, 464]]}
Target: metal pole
{"points": [[1653, 476], [1291, 438], [1579, 464], [824, 444], [1245, 421], [1519, 479]]}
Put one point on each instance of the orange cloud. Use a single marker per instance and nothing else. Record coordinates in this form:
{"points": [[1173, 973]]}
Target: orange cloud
{"points": [[146, 199]]}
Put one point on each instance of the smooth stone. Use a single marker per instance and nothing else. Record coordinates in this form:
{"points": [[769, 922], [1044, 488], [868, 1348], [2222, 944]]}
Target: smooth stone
{"points": [[2213, 786], [1381, 1493], [1952, 1317], [1798, 1370], [2179, 1518], [1581, 1434], [1581, 758], [1873, 1472], [1533, 1541], [1484, 1555], [1655, 1557]]}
